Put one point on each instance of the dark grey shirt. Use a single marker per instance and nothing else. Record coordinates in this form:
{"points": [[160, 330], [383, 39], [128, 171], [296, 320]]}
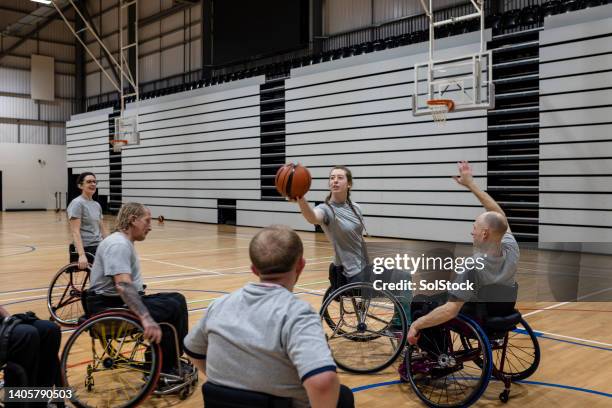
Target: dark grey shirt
{"points": [[116, 254], [261, 338], [345, 231], [90, 214]]}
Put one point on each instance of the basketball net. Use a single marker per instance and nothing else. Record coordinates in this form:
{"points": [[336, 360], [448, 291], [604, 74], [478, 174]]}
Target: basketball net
{"points": [[118, 144], [439, 108]]}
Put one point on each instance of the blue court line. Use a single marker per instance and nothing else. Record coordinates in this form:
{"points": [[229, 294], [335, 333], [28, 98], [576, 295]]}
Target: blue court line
{"points": [[544, 384]]}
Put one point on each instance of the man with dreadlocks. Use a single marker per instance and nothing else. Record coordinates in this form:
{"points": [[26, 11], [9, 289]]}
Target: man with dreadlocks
{"points": [[116, 280]]}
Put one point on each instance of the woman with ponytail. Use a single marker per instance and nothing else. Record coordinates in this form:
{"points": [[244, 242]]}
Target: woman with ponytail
{"points": [[342, 222]]}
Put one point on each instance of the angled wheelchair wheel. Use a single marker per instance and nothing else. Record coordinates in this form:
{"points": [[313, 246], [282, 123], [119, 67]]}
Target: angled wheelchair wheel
{"points": [[357, 323], [108, 363], [451, 365], [64, 294], [521, 356]]}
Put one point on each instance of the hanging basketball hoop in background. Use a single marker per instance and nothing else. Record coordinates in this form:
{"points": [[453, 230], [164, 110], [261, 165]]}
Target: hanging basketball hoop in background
{"points": [[439, 108], [118, 144]]}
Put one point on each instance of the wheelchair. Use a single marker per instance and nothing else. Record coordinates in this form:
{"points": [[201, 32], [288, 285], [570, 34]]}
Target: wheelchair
{"points": [[108, 362], [452, 364], [64, 294], [365, 327]]}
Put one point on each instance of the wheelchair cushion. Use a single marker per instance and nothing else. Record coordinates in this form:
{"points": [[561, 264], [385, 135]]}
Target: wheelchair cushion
{"points": [[218, 396], [504, 323]]}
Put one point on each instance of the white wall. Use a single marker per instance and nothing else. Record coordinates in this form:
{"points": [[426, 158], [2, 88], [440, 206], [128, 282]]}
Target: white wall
{"points": [[26, 184]]}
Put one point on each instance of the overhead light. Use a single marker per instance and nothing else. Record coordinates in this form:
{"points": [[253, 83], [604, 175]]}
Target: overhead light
{"points": [[47, 2]]}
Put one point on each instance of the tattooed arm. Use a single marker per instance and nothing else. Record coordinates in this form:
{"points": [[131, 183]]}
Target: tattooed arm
{"points": [[129, 294]]}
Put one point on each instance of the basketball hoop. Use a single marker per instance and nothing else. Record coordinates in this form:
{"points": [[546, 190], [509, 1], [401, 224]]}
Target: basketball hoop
{"points": [[439, 108], [118, 145]]}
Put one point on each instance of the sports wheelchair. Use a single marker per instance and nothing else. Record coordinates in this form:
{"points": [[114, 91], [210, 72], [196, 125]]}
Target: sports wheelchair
{"points": [[64, 294], [107, 361], [452, 364]]}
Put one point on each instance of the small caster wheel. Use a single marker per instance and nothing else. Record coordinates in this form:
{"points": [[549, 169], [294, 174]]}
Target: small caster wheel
{"points": [[504, 396], [185, 392]]}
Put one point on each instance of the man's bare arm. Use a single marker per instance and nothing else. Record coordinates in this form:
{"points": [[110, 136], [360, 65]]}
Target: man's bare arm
{"points": [[129, 294]]}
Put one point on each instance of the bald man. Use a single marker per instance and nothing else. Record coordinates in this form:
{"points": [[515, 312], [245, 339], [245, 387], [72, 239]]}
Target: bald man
{"points": [[494, 244]]}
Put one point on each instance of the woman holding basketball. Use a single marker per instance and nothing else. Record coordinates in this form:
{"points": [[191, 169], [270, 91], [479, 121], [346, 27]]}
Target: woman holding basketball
{"points": [[342, 222], [86, 224]]}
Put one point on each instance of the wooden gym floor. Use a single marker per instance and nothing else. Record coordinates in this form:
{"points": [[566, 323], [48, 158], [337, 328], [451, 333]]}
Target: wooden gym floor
{"points": [[203, 261]]}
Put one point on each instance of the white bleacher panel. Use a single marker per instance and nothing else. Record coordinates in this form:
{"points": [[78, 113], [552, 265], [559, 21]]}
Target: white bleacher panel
{"points": [[372, 120], [348, 84], [133, 155], [576, 83], [577, 217], [586, 184], [205, 119], [407, 129], [173, 147], [407, 143], [575, 134], [208, 194], [196, 133], [576, 99], [208, 127], [87, 146], [185, 214], [172, 202], [265, 218], [399, 184], [405, 197], [169, 165], [85, 149], [575, 117], [279, 206], [574, 67], [576, 150], [421, 211], [431, 156], [363, 108], [194, 174], [601, 201], [403, 170], [193, 184], [577, 48], [199, 96], [410, 228], [399, 92], [566, 233], [572, 166], [196, 106], [578, 24]]}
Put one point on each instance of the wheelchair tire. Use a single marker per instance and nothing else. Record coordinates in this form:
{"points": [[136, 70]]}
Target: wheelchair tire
{"points": [[358, 327], [122, 369], [451, 365], [64, 295], [522, 353]]}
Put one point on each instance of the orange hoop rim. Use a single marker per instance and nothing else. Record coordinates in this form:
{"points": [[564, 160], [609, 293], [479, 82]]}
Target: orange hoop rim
{"points": [[450, 105], [119, 141]]}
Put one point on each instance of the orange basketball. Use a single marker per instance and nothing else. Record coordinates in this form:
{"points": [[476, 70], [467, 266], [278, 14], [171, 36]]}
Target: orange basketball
{"points": [[292, 180]]}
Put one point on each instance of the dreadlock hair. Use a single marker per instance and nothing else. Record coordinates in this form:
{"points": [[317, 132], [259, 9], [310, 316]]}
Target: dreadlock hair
{"points": [[349, 178], [127, 214]]}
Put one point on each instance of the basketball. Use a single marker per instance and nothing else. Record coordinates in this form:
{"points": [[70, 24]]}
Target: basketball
{"points": [[160, 219], [292, 180]]}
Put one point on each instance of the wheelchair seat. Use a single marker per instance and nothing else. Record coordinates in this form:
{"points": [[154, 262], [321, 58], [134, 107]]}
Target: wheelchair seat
{"points": [[218, 396]]}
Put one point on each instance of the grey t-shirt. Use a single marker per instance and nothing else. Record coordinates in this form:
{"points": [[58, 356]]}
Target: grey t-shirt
{"points": [[90, 214], [261, 338], [497, 270], [116, 254], [345, 231]]}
